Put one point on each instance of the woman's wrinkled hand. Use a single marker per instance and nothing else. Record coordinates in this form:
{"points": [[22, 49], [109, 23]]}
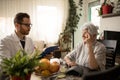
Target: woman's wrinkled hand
{"points": [[71, 63]]}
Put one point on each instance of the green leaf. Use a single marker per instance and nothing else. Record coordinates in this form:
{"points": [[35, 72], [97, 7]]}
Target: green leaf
{"points": [[21, 64]]}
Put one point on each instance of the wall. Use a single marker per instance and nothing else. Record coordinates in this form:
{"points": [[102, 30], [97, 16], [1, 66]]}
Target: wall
{"points": [[83, 19], [110, 23]]}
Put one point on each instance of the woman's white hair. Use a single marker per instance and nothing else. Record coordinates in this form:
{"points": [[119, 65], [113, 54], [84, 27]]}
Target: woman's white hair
{"points": [[92, 29]]}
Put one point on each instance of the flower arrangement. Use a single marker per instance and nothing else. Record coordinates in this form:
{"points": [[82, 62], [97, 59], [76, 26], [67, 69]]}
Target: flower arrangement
{"points": [[21, 65], [106, 7], [108, 2]]}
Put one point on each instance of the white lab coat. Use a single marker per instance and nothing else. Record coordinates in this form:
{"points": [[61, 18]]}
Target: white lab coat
{"points": [[9, 45]]}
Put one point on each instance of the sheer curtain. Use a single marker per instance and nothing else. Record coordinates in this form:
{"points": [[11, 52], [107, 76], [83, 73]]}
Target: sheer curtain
{"points": [[47, 16]]}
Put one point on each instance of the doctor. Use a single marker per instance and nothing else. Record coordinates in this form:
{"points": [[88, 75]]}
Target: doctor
{"points": [[10, 44]]}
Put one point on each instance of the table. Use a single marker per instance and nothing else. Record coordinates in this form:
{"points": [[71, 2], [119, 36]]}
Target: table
{"points": [[61, 71], [35, 77]]}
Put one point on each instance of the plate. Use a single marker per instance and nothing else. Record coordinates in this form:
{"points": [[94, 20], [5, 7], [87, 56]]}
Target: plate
{"points": [[61, 75]]}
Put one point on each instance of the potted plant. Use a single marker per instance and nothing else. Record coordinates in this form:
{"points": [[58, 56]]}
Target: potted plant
{"points": [[20, 66], [107, 7]]}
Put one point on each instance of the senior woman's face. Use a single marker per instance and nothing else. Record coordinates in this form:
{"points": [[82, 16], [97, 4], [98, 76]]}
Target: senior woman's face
{"points": [[84, 34], [87, 36]]}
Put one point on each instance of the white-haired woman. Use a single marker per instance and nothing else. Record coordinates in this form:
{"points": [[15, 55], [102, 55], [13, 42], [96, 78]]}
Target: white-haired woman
{"points": [[90, 53]]}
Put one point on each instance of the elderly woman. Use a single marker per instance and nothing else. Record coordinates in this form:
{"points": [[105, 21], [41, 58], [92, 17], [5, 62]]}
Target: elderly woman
{"points": [[90, 53]]}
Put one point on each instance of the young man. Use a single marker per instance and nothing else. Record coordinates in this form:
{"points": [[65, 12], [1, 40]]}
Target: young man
{"points": [[18, 40], [90, 53], [10, 44]]}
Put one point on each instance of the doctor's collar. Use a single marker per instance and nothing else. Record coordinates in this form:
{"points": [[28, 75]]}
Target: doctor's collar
{"points": [[20, 37]]}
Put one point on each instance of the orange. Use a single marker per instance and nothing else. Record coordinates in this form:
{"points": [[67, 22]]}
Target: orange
{"points": [[44, 64], [54, 67], [45, 73]]}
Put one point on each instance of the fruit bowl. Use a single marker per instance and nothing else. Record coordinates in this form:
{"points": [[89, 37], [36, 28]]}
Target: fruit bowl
{"points": [[47, 68]]}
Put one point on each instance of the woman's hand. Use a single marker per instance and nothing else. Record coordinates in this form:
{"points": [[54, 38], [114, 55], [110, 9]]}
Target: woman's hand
{"points": [[71, 63]]}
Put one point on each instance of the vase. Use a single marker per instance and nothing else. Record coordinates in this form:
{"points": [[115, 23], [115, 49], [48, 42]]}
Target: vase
{"points": [[27, 77], [106, 9]]}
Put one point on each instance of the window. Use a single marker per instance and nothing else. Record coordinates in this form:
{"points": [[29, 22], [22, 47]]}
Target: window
{"points": [[93, 12], [48, 20], [47, 16]]}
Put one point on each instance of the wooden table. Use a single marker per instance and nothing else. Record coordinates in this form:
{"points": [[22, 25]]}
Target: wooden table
{"points": [[35, 77]]}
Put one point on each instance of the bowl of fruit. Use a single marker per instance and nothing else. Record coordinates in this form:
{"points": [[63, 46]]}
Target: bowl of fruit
{"points": [[47, 68]]}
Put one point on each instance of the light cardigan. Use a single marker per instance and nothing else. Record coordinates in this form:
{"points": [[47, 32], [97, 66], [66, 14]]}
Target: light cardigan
{"points": [[80, 54]]}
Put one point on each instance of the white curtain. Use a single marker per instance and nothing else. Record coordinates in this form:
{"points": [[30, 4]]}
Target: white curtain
{"points": [[47, 16]]}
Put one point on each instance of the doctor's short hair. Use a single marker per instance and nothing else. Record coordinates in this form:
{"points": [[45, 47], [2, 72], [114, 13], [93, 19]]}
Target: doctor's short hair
{"points": [[92, 29], [19, 17]]}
